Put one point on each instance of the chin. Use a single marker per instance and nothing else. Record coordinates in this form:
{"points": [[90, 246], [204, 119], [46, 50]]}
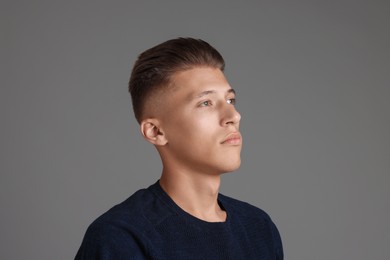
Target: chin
{"points": [[232, 165]]}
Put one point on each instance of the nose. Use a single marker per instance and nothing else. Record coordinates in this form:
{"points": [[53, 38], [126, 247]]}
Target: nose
{"points": [[230, 116]]}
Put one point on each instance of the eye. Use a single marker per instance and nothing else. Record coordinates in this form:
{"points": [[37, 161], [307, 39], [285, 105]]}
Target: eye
{"points": [[231, 101], [205, 103]]}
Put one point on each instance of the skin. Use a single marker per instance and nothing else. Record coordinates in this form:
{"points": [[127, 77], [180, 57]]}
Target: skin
{"points": [[195, 129]]}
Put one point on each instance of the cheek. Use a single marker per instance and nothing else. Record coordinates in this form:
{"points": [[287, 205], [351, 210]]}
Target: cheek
{"points": [[197, 122], [192, 126]]}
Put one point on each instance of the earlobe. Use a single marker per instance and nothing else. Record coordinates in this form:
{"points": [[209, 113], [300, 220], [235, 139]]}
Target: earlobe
{"points": [[152, 133]]}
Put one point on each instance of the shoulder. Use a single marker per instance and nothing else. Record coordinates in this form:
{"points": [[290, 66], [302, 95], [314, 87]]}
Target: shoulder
{"points": [[138, 213], [124, 228], [119, 216]]}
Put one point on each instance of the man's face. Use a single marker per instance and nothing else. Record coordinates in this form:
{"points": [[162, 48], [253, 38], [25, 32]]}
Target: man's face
{"points": [[200, 122]]}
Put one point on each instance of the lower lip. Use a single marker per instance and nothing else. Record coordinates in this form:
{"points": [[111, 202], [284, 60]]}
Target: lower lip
{"points": [[233, 141]]}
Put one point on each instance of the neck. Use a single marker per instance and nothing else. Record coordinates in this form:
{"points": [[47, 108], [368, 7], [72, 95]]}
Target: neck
{"points": [[197, 194]]}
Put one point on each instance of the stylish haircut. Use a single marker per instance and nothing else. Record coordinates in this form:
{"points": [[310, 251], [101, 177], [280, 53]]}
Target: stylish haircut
{"points": [[154, 68]]}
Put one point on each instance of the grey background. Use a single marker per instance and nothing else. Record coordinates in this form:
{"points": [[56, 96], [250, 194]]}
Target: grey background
{"points": [[313, 89]]}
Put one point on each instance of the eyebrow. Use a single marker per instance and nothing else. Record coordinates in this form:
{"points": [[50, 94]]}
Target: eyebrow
{"points": [[208, 92]]}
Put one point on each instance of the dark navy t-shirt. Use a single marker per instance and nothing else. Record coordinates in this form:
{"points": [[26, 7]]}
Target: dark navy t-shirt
{"points": [[149, 225]]}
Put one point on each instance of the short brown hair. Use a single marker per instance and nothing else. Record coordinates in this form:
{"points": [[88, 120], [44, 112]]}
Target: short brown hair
{"points": [[153, 69]]}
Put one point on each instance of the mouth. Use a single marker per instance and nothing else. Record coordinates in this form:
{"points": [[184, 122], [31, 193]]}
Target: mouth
{"points": [[233, 139]]}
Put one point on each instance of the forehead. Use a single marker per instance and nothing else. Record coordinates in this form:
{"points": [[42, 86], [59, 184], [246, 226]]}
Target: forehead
{"points": [[198, 80]]}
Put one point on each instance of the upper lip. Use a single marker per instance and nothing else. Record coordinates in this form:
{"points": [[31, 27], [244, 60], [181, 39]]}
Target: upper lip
{"points": [[233, 135]]}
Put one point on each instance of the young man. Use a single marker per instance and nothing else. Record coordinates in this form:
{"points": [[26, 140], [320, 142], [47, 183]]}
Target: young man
{"points": [[185, 108]]}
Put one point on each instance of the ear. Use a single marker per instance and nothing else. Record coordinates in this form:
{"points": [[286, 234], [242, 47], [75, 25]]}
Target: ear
{"points": [[152, 132]]}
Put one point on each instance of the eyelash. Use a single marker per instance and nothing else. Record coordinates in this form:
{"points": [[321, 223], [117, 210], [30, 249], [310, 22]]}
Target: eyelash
{"points": [[231, 101]]}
